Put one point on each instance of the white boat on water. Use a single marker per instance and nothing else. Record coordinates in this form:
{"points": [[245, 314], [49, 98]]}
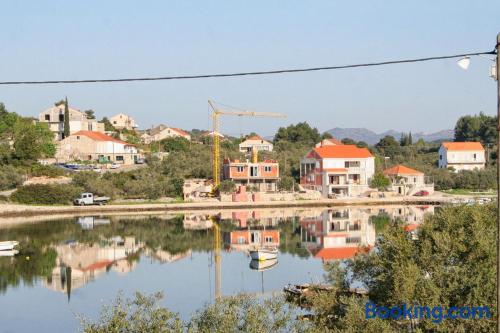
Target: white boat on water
{"points": [[263, 265], [8, 245], [8, 253], [264, 253]]}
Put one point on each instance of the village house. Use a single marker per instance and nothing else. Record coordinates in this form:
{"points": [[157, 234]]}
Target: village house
{"points": [[257, 143], [122, 121], [263, 176], [337, 234], [161, 132], [95, 146], [461, 156], [329, 142], [407, 181], [337, 170], [78, 121]]}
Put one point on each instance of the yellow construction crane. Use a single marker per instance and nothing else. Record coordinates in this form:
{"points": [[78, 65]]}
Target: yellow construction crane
{"points": [[215, 134]]}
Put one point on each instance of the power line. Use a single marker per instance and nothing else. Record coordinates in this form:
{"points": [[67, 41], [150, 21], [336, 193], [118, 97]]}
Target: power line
{"points": [[269, 72]]}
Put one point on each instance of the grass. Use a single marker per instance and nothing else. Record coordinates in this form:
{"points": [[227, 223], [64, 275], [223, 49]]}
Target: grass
{"points": [[462, 191]]}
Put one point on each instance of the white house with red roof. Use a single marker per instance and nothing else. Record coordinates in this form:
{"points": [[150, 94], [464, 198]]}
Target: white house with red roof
{"points": [[96, 146], [461, 156], [407, 181], [337, 170], [161, 132], [255, 142]]}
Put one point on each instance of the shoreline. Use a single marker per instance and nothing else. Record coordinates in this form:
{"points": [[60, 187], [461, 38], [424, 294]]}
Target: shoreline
{"points": [[14, 210]]}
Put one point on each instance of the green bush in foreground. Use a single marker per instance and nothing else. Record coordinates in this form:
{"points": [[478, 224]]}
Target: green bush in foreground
{"points": [[55, 194]]}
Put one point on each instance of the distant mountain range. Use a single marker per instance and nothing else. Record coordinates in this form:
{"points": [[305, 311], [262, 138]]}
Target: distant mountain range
{"points": [[370, 137]]}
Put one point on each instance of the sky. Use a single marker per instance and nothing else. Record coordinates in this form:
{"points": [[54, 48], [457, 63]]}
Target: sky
{"points": [[64, 40]]}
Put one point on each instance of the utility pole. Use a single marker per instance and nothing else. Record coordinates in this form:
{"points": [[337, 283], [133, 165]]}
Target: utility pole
{"points": [[497, 47]]}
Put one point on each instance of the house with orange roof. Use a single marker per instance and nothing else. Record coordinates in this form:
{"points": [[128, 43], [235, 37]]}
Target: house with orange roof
{"points": [[338, 234], [257, 143], [96, 146], [337, 170], [461, 156], [407, 181], [161, 132]]}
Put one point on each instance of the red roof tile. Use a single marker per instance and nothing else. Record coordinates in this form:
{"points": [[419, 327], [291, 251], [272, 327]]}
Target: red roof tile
{"points": [[463, 146], [255, 137], [342, 151], [98, 136], [401, 170], [180, 131]]}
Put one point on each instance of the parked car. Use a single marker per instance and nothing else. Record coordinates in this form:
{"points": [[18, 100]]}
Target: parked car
{"points": [[89, 199], [140, 161], [115, 166], [422, 193]]}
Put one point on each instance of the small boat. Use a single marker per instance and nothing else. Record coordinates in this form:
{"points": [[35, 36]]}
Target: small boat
{"points": [[8, 253], [264, 253], [263, 265], [8, 245]]}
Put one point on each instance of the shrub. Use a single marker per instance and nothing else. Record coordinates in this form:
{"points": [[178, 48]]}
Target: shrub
{"points": [[10, 177], [379, 181], [286, 183], [38, 170], [227, 186], [54, 194]]}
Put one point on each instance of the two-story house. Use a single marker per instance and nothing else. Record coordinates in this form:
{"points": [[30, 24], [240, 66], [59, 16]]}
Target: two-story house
{"points": [[95, 146], [337, 170], [261, 175], [461, 156], [257, 143], [78, 121], [407, 181], [161, 132], [122, 121]]}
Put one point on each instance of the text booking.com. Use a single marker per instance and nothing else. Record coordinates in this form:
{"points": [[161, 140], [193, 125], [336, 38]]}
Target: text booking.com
{"points": [[436, 313]]}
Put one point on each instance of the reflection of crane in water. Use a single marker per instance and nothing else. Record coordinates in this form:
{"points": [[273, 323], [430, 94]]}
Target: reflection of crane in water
{"points": [[217, 257]]}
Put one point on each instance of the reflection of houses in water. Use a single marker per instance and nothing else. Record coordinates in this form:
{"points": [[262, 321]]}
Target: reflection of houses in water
{"points": [[89, 222], [413, 216], [338, 234], [166, 257], [197, 221], [252, 229], [78, 263]]}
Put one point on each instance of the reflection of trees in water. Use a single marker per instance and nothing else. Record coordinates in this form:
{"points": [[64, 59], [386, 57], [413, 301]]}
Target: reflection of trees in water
{"points": [[37, 259]]}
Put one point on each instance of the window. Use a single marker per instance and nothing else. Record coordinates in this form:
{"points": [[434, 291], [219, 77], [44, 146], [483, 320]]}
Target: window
{"points": [[119, 158], [114, 122], [267, 168], [47, 117], [440, 157], [268, 239], [61, 117], [352, 164], [475, 157], [239, 169]]}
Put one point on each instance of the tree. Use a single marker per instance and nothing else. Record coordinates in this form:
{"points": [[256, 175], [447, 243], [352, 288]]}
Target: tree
{"points": [[476, 128], [387, 141], [301, 133], [108, 127], [380, 182], [348, 141], [32, 141], [90, 114], [66, 119]]}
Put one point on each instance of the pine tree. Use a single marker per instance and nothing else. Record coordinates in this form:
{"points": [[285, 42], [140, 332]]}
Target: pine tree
{"points": [[410, 139], [66, 119]]}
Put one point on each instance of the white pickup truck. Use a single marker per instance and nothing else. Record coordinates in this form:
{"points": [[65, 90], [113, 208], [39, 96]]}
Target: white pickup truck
{"points": [[89, 199]]}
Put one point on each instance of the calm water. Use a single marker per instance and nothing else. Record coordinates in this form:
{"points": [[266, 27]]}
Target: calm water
{"points": [[70, 267]]}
